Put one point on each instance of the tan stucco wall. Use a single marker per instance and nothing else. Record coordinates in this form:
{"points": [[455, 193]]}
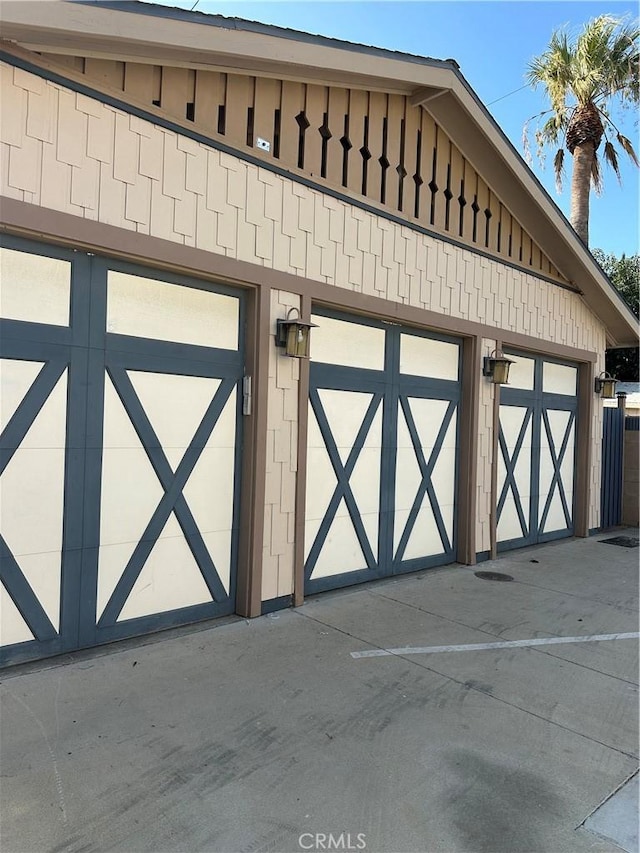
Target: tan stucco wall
{"points": [[70, 153]]}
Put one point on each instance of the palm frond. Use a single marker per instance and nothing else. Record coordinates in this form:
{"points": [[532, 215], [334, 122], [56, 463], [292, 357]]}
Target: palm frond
{"points": [[596, 176], [611, 157], [627, 147], [525, 142], [558, 168]]}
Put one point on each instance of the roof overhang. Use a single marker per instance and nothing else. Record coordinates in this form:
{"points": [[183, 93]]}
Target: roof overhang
{"points": [[140, 32]]}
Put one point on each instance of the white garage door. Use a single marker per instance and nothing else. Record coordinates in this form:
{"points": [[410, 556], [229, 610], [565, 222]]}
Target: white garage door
{"points": [[119, 450], [382, 451], [537, 451]]}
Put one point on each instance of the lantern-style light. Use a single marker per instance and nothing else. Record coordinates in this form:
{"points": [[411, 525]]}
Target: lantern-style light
{"points": [[292, 335], [496, 367], [605, 386]]}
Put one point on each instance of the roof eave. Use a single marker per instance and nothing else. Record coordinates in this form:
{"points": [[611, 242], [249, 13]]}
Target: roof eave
{"points": [[106, 29]]}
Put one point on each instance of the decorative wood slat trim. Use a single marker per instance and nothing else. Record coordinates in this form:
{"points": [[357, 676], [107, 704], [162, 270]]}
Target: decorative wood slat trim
{"points": [[267, 101], [337, 109], [210, 94], [174, 92], [412, 129], [470, 189], [358, 106], [456, 183], [108, 71], [237, 108], [292, 104], [74, 62], [443, 158], [377, 115], [395, 155], [238, 101], [138, 81], [314, 109], [482, 200]]}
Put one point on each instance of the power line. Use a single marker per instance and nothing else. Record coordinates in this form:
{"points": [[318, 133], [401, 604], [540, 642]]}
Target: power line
{"points": [[503, 96]]}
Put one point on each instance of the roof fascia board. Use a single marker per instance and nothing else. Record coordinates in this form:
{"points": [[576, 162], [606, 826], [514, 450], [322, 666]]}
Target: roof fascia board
{"points": [[225, 64], [69, 26]]}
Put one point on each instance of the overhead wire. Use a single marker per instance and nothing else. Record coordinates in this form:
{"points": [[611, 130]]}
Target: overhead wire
{"points": [[502, 97]]}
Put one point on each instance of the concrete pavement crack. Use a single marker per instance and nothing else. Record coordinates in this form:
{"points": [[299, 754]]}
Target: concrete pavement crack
{"points": [[499, 636], [467, 686]]}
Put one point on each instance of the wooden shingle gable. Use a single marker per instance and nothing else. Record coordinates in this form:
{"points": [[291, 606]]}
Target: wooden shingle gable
{"points": [[381, 146]]}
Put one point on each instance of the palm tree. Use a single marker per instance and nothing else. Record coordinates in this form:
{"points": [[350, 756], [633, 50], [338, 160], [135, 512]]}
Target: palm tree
{"points": [[583, 81]]}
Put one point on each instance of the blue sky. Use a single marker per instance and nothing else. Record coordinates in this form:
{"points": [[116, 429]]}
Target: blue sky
{"points": [[493, 42]]}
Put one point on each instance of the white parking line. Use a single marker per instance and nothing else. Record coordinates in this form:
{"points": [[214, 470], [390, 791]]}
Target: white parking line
{"points": [[506, 644]]}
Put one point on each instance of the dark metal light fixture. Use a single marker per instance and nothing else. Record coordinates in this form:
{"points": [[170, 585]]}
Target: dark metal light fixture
{"points": [[292, 335], [496, 367], [605, 386]]}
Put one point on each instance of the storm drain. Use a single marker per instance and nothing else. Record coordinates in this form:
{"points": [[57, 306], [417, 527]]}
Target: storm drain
{"points": [[622, 541], [493, 576]]}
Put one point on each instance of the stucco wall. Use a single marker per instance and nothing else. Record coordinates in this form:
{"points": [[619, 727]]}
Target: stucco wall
{"points": [[68, 152]]}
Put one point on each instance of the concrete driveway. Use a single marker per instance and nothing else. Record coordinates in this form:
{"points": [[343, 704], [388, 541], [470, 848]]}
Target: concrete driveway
{"points": [[270, 735]]}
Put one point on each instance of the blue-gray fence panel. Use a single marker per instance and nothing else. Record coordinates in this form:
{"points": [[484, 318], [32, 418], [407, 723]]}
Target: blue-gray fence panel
{"points": [[611, 490]]}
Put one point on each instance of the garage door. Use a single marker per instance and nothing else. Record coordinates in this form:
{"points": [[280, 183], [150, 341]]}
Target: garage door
{"points": [[120, 450], [382, 451], [537, 452]]}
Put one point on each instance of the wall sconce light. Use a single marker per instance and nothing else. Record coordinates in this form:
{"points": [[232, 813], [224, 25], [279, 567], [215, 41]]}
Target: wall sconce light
{"points": [[496, 367], [605, 385], [292, 335]]}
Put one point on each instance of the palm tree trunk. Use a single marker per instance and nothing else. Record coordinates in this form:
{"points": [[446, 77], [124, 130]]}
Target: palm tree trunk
{"points": [[583, 156]]}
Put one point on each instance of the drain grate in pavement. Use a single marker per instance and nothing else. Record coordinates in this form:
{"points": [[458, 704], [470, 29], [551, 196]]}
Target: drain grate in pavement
{"points": [[622, 541], [493, 576]]}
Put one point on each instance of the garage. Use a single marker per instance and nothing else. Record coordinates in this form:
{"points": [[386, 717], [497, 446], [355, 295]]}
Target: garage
{"points": [[120, 449], [382, 451], [537, 452]]}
